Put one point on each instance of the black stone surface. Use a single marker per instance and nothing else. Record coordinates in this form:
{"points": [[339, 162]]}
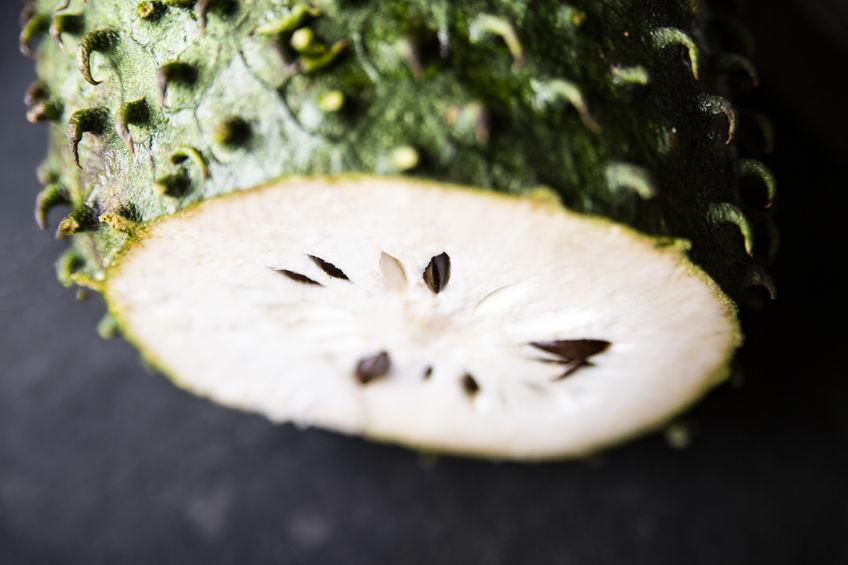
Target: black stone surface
{"points": [[101, 462]]}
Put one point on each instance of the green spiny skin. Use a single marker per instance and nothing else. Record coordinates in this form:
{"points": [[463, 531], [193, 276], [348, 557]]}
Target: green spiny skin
{"points": [[616, 106]]}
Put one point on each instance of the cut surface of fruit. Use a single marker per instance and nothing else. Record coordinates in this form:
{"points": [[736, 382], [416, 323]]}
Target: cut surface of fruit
{"points": [[446, 318]]}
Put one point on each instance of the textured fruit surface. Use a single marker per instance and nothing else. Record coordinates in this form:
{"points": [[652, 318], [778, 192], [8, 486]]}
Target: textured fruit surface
{"points": [[611, 104], [409, 314], [164, 112]]}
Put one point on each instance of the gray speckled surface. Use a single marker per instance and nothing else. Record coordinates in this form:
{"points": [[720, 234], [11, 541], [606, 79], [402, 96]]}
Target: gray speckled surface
{"points": [[101, 462]]}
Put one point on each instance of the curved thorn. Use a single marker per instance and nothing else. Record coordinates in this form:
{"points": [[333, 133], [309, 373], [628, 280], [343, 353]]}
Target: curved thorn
{"points": [[65, 23], [486, 24], [766, 128], [193, 155], [63, 6], [314, 64], [89, 120], [288, 23], [632, 177], [79, 219], [36, 25], [98, 40], [175, 71], [50, 196], [150, 9], [107, 327], [752, 167], [637, 75], [27, 11], [134, 112], [545, 92], [666, 36], [727, 213], [201, 8], [40, 105], [404, 158], [714, 104], [757, 276], [67, 266], [729, 62]]}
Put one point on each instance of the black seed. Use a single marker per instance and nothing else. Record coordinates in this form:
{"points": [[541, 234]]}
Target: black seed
{"points": [[572, 353], [329, 268], [572, 349], [428, 372], [469, 384], [572, 366], [437, 273], [373, 367], [298, 277]]}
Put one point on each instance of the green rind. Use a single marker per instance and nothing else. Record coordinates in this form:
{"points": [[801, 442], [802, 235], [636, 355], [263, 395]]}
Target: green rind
{"points": [[478, 108], [677, 249]]}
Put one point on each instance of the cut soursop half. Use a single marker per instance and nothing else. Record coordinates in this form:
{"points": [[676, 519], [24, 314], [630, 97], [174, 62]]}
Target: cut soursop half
{"points": [[507, 229]]}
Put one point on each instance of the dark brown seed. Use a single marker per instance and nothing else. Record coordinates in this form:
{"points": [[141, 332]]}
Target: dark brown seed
{"points": [[298, 277], [329, 268], [571, 368], [572, 349], [373, 367], [428, 372], [437, 273], [469, 384]]}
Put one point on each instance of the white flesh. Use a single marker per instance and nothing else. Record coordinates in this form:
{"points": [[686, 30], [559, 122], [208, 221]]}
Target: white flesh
{"points": [[202, 296]]}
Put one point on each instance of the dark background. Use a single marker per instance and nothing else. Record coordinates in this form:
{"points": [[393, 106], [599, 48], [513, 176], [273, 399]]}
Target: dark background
{"points": [[101, 462]]}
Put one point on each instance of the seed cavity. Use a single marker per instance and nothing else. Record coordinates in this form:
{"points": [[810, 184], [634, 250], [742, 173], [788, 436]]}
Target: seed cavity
{"points": [[470, 385], [573, 354], [371, 368], [297, 277], [393, 272], [99, 40], [437, 274], [329, 268]]}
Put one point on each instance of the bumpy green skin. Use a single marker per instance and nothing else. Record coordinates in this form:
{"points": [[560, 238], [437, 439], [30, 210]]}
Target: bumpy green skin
{"points": [[596, 99]]}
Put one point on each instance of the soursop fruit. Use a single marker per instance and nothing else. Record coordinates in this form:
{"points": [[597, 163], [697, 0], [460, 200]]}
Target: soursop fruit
{"points": [[501, 228]]}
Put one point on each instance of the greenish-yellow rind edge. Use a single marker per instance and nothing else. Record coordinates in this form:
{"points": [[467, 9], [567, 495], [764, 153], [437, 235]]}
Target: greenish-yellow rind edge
{"points": [[661, 245]]}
